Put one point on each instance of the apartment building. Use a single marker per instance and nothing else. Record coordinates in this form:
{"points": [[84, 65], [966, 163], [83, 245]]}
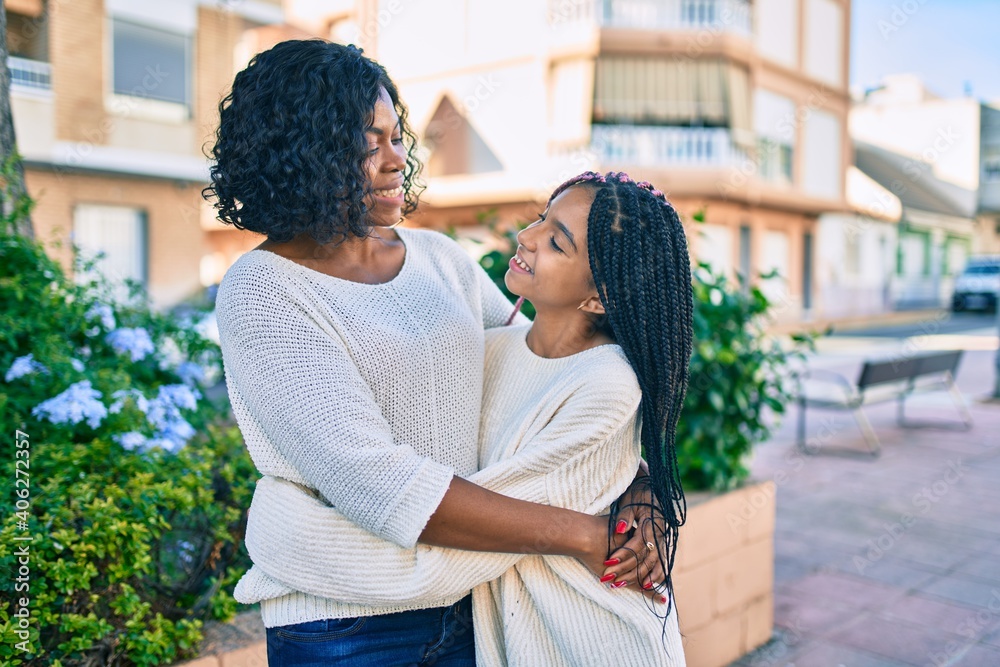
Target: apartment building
{"points": [[114, 102], [735, 108], [942, 158]]}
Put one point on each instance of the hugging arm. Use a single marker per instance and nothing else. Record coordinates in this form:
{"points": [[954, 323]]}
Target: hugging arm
{"points": [[572, 463], [295, 376]]}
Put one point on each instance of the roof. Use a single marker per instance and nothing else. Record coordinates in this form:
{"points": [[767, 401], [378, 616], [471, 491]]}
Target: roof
{"points": [[911, 180]]}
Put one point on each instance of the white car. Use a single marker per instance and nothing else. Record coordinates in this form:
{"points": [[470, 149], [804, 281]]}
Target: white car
{"points": [[979, 285]]}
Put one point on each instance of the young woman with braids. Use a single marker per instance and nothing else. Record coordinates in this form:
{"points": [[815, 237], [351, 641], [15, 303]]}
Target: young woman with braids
{"points": [[354, 363], [567, 403]]}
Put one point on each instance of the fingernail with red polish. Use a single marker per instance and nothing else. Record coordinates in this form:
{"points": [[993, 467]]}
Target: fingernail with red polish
{"points": [[611, 561], [663, 600], [646, 586], [619, 584], [621, 527], [608, 577]]}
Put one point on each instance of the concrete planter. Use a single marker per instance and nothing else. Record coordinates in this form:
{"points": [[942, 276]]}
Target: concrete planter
{"points": [[724, 574]]}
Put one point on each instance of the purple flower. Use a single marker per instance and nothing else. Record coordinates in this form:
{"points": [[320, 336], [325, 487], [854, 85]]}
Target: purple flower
{"points": [[22, 366], [122, 395], [136, 342], [191, 373], [80, 402], [131, 441], [104, 313]]}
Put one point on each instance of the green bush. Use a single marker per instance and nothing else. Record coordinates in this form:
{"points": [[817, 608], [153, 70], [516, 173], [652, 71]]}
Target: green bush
{"points": [[138, 483], [738, 373]]}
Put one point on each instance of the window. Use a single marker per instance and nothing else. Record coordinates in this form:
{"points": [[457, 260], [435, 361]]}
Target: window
{"points": [[991, 163], [119, 232], [777, 30], [821, 152], [151, 63], [775, 125], [715, 246], [570, 84], [456, 147], [823, 41], [914, 259], [671, 91], [745, 253], [807, 270], [775, 259]]}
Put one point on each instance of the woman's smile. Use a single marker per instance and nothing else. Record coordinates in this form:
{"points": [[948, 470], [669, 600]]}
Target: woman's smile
{"points": [[518, 265], [392, 196]]}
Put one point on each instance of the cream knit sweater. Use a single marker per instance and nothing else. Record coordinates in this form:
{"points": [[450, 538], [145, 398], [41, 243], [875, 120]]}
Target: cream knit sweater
{"points": [[555, 431], [368, 394]]}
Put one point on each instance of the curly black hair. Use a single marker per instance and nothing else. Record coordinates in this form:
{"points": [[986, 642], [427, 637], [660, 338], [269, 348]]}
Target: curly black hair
{"points": [[640, 265], [290, 151]]}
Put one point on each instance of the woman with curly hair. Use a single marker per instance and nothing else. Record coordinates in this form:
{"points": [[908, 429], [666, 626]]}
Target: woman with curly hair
{"points": [[354, 362], [568, 402]]}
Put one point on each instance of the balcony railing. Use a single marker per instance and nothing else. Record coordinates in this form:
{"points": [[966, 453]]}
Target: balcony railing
{"points": [[29, 74], [715, 15], [649, 146]]}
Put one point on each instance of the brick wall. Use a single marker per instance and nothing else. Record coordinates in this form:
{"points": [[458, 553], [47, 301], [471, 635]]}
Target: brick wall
{"points": [[724, 575], [214, 47], [176, 241], [77, 46]]}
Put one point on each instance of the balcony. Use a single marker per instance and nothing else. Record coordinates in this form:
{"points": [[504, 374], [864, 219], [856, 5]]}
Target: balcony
{"points": [[29, 75], [714, 15], [649, 146]]}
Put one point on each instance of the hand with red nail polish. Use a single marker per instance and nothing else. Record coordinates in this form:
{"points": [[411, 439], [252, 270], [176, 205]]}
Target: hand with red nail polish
{"points": [[606, 578], [621, 527], [611, 561]]}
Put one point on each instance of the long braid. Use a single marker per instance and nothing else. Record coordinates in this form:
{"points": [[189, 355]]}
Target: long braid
{"points": [[639, 260]]}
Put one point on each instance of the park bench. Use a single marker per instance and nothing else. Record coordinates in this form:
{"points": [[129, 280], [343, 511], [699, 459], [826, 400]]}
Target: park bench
{"points": [[880, 381]]}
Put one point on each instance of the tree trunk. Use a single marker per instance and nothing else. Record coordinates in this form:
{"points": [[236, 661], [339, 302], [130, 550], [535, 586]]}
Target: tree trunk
{"points": [[15, 189]]}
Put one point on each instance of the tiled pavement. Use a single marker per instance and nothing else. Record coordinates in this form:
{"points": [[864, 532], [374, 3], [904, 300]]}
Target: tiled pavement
{"points": [[893, 561]]}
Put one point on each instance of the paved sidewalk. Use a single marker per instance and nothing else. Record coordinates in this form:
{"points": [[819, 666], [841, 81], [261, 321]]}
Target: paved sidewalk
{"points": [[893, 561]]}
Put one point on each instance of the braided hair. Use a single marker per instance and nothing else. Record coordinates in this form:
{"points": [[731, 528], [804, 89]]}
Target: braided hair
{"points": [[640, 265]]}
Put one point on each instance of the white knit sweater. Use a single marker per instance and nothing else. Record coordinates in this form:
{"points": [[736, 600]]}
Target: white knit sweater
{"points": [[556, 431], [369, 394]]}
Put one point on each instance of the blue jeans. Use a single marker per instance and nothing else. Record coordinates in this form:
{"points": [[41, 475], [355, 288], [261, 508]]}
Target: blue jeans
{"points": [[442, 637]]}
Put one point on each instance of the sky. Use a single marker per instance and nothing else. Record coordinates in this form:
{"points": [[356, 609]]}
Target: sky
{"points": [[947, 42]]}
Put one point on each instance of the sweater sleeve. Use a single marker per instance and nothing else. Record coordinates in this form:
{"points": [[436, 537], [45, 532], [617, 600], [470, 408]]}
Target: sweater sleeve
{"points": [[582, 460], [292, 375]]}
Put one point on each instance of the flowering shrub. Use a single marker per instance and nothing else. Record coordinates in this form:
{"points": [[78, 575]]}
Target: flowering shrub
{"points": [[138, 480]]}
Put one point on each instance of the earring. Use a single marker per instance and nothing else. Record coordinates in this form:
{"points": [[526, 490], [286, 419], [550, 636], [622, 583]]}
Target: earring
{"points": [[397, 223]]}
